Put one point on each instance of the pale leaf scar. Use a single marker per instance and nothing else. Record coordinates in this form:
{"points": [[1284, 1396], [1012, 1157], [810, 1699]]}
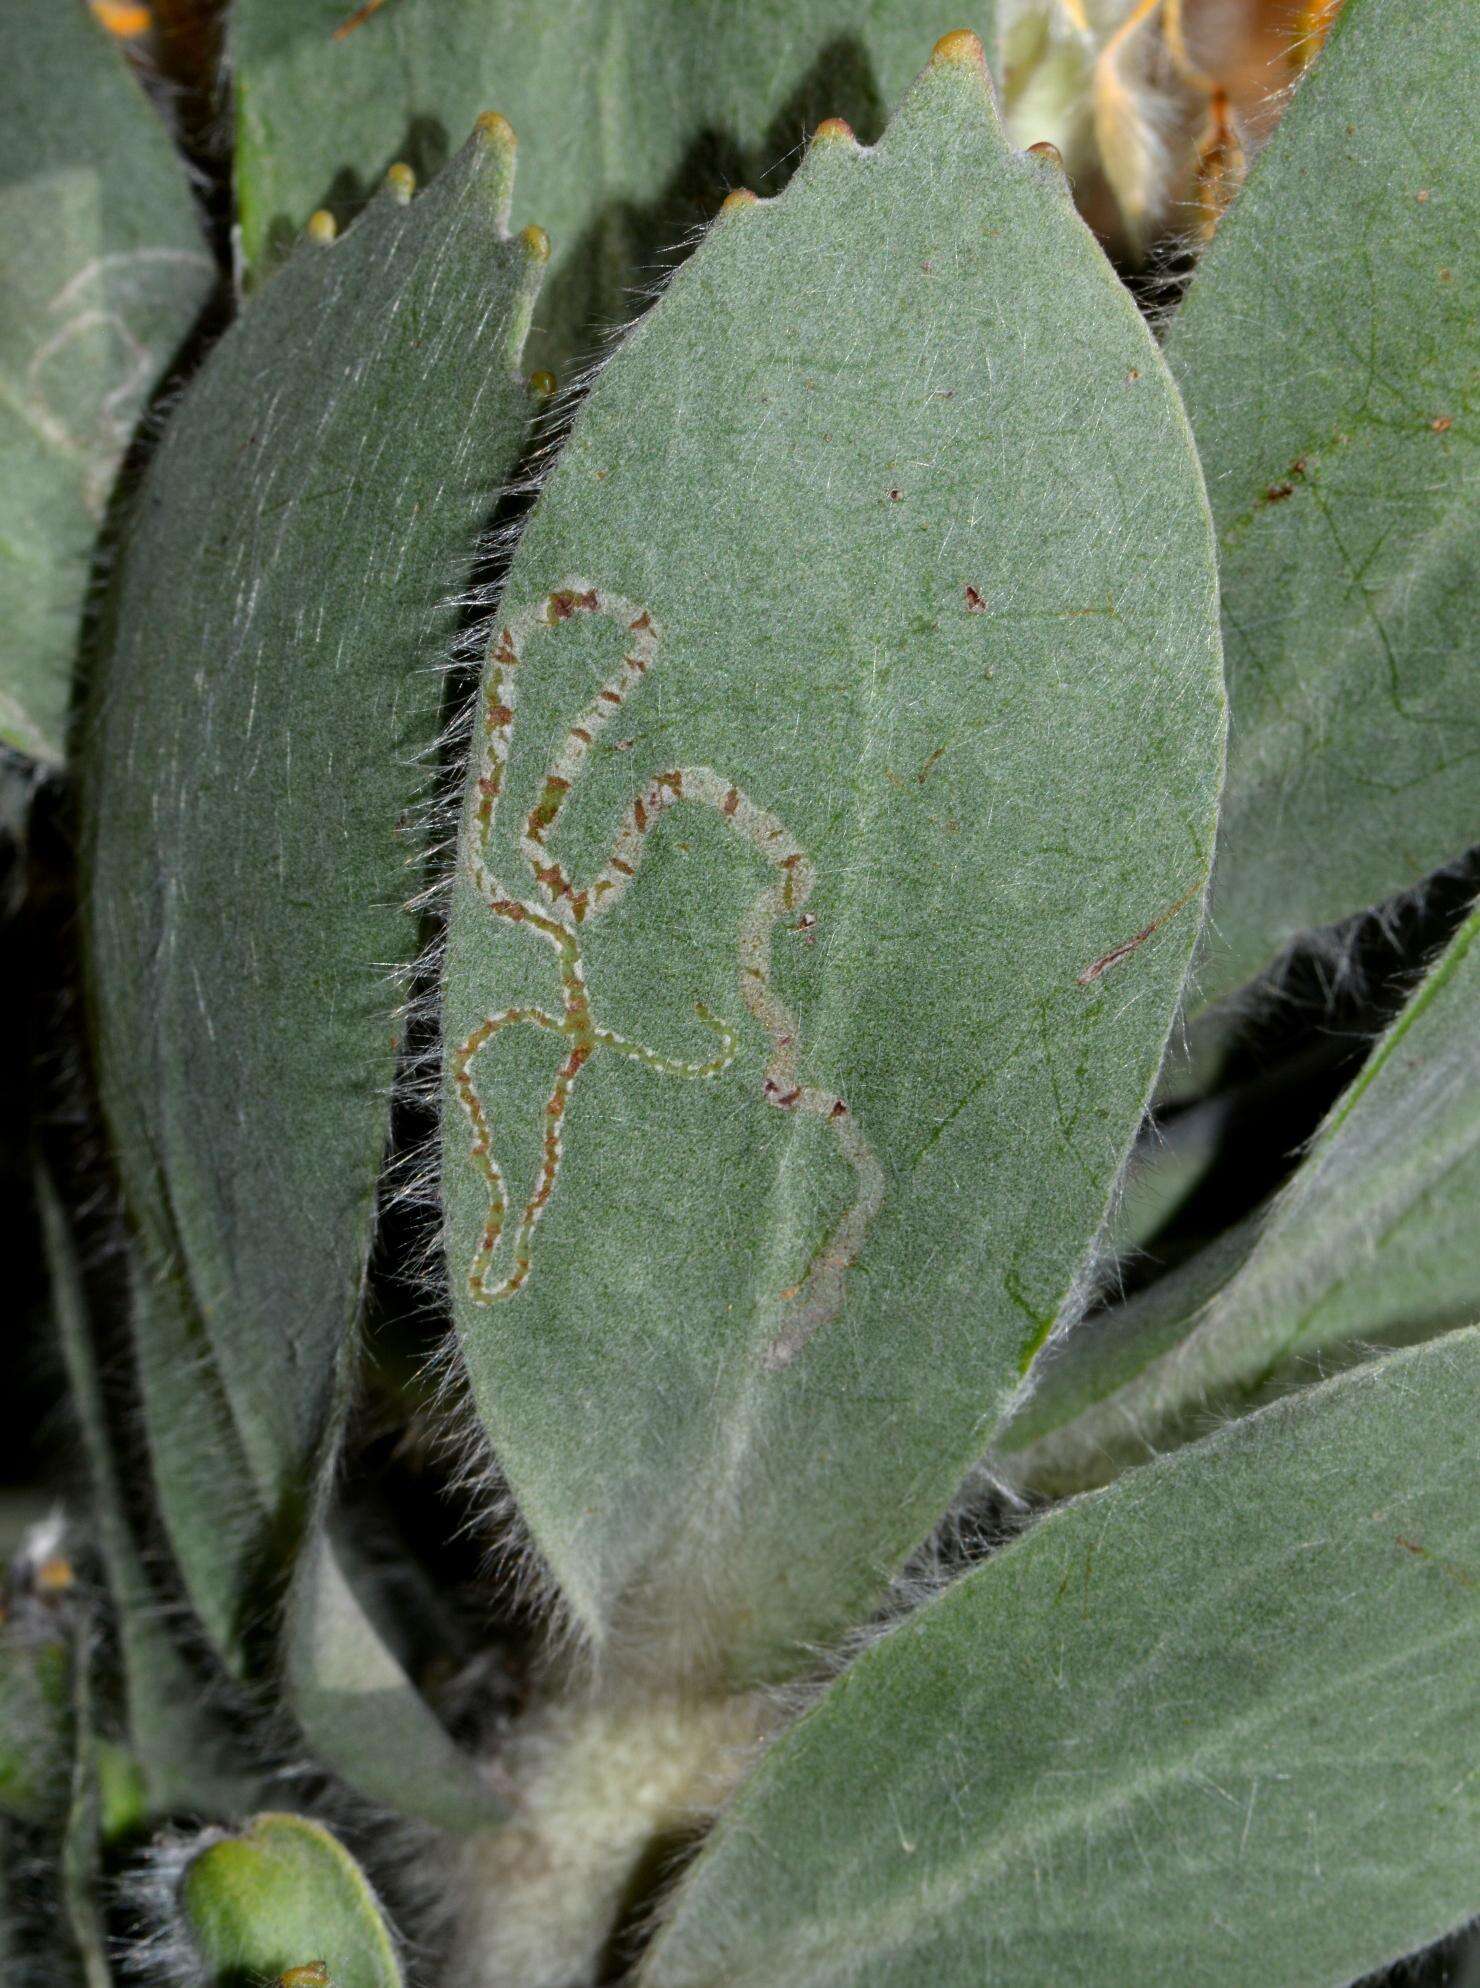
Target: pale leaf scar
{"points": [[559, 909]]}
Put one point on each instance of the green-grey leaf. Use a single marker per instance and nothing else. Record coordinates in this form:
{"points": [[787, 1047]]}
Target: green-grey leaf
{"points": [[633, 120], [81, 1858], [1373, 1240], [287, 595], [361, 1713], [185, 1757], [1165, 1169], [285, 1894], [1327, 352], [929, 755], [213, 1512], [105, 272], [1215, 1724], [356, 1707], [35, 1687]]}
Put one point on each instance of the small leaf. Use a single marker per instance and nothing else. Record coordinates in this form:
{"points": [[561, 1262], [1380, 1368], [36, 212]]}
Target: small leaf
{"points": [[105, 273], [912, 720], [361, 1713], [283, 1897], [81, 1851], [1215, 1724], [35, 1685], [356, 1708], [633, 125], [184, 1755], [1373, 1240], [1327, 352], [286, 598], [213, 1512]]}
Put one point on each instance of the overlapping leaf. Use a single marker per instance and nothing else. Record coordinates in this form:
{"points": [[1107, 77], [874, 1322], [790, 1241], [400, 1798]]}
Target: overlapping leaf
{"points": [[105, 273], [635, 116], [186, 1759], [1215, 1724], [288, 592], [863, 644], [1374, 1240], [1328, 354], [361, 1713]]}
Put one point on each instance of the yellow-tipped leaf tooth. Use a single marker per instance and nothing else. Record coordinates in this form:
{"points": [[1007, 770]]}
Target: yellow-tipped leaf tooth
{"points": [[544, 384], [961, 47], [496, 128], [123, 18], [401, 182], [321, 226], [1046, 150], [536, 242], [740, 197], [834, 131]]}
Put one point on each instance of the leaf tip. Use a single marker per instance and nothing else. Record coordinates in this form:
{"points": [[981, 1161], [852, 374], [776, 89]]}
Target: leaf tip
{"points": [[321, 227], [400, 183], [122, 18], [493, 128], [960, 49]]}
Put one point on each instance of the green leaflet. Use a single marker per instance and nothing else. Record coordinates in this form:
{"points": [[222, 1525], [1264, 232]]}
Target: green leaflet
{"points": [[185, 1757], [1327, 353], [635, 117], [1374, 1239], [924, 748], [283, 1895], [105, 273], [1215, 1724], [287, 594]]}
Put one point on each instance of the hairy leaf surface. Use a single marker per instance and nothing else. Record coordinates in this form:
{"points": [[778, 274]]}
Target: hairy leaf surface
{"points": [[635, 117], [1328, 353], [105, 273], [186, 1758], [283, 1895], [289, 590], [1215, 1724], [1374, 1239], [842, 795]]}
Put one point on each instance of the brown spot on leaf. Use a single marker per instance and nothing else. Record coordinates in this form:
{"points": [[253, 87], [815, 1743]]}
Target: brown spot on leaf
{"points": [[974, 602]]}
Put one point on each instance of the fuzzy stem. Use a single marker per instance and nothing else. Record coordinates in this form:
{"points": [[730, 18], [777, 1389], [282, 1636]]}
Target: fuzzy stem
{"points": [[605, 1794]]}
